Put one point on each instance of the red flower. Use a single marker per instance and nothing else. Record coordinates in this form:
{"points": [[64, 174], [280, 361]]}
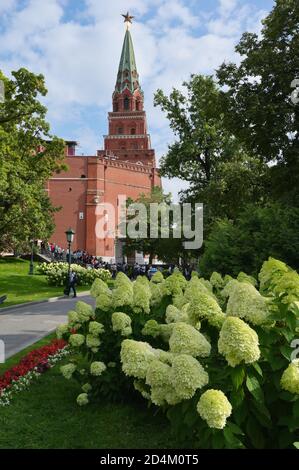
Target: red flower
{"points": [[38, 358]]}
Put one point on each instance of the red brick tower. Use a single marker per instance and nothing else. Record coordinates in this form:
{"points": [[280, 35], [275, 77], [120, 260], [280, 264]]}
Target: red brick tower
{"points": [[126, 166], [128, 139]]}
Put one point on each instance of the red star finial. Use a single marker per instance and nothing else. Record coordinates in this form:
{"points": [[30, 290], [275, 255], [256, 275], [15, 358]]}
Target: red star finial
{"points": [[128, 18]]}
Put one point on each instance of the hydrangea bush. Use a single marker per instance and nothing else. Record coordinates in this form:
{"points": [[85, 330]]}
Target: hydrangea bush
{"points": [[57, 273], [215, 355]]}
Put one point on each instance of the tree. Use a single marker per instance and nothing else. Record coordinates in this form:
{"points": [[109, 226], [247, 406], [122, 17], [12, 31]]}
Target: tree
{"points": [[163, 245], [210, 158], [29, 155], [258, 96], [258, 233]]}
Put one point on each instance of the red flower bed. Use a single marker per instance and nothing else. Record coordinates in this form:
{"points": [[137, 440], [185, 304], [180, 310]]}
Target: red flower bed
{"points": [[36, 358]]}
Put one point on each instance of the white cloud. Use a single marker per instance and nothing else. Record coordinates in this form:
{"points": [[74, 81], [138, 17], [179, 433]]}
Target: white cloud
{"points": [[79, 55]]}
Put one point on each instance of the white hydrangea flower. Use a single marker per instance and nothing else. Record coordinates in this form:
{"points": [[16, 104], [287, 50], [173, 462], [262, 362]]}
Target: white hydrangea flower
{"points": [[238, 342], [187, 375], [97, 368], [214, 408], [185, 339], [68, 370]]}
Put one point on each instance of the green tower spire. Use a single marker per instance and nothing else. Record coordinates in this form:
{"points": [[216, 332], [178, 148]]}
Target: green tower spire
{"points": [[127, 77]]}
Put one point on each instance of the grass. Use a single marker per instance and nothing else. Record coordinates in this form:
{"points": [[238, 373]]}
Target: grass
{"points": [[21, 287], [47, 417]]}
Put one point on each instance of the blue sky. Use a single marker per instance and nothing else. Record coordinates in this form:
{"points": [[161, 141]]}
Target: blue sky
{"points": [[76, 44]]}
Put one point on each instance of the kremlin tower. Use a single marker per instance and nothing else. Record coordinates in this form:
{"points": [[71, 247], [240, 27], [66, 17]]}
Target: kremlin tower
{"points": [[126, 165]]}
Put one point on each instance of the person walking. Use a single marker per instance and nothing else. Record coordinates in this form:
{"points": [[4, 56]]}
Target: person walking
{"points": [[72, 283]]}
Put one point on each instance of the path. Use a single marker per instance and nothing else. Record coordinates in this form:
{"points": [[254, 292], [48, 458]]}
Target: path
{"points": [[25, 325]]}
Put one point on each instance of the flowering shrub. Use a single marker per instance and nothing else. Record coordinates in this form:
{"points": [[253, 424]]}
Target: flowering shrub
{"points": [[29, 368], [214, 355], [57, 273]]}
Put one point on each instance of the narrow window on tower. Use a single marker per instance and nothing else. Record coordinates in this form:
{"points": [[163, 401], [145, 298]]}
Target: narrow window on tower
{"points": [[126, 103], [120, 131], [137, 105], [133, 131], [115, 106]]}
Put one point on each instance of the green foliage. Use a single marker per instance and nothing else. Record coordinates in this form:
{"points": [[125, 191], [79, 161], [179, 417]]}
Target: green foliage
{"points": [[258, 233], [57, 274], [205, 154], [229, 385], [96, 336], [29, 155], [257, 97]]}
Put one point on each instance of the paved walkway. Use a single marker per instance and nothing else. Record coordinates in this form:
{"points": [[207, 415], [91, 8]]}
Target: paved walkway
{"points": [[25, 325]]}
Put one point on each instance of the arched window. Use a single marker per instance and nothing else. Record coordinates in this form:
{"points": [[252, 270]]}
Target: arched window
{"points": [[137, 105], [120, 131], [133, 131], [115, 106], [126, 103]]}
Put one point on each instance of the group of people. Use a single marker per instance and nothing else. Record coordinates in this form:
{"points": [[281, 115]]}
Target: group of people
{"points": [[57, 253], [82, 257]]}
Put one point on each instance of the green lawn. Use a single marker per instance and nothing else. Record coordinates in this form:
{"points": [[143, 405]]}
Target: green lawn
{"points": [[46, 416], [20, 287]]}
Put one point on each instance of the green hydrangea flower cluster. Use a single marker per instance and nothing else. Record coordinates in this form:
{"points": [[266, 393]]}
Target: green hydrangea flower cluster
{"points": [[157, 293], [205, 307], [121, 322], [76, 340], [95, 328], [174, 284], [287, 288], [157, 278], [122, 295], [173, 314], [141, 295], [93, 342], [229, 288], [185, 339], [290, 378], [195, 285], [243, 277], [73, 319], [61, 330], [135, 357], [214, 408], [171, 377], [85, 312], [271, 272], [151, 328], [246, 302], [238, 342], [207, 284], [187, 376], [82, 399], [98, 287], [217, 281], [68, 370], [97, 368], [86, 388]]}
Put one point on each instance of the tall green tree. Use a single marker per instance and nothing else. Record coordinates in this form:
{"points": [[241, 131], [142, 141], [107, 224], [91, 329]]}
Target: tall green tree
{"points": [[29, 155], [165, 246], [221, 174], [261, 106]]}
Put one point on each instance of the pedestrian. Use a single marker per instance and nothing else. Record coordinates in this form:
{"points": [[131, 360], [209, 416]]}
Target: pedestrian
{"points": [[72, 283]]}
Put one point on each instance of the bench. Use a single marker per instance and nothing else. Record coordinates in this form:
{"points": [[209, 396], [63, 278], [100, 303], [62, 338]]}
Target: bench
{"points": [[3, 298]]}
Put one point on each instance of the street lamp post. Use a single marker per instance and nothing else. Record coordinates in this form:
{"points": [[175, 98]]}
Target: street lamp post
{"points": [[69, 238], [31, 268]]}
